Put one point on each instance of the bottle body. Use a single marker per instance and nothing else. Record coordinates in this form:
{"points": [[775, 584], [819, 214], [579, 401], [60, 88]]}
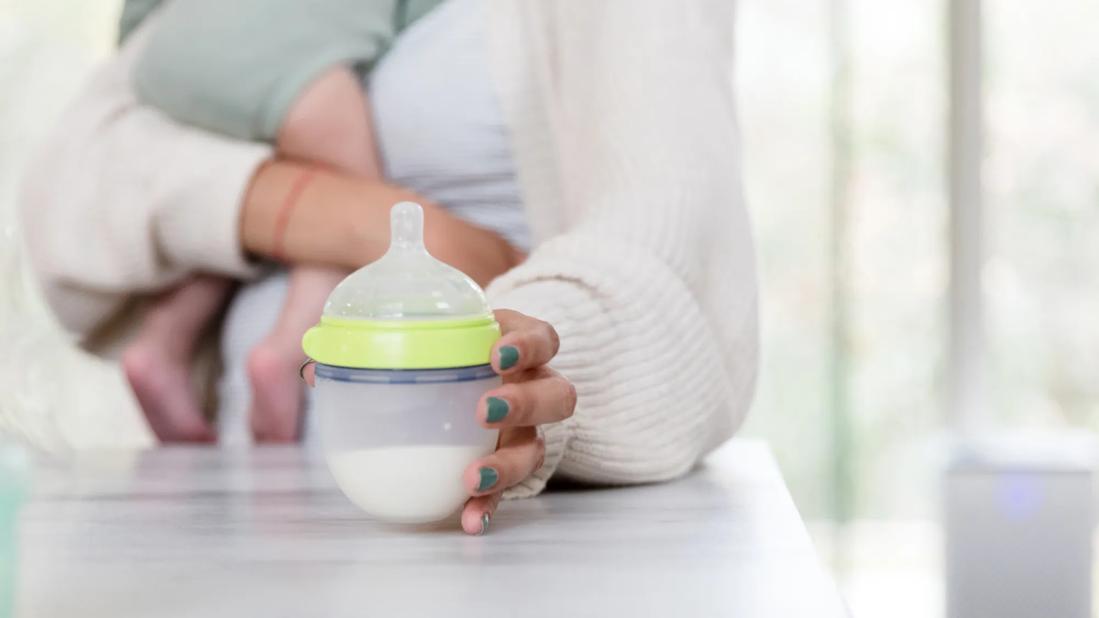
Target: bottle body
{"points": [[402, 352], [398, 441]]}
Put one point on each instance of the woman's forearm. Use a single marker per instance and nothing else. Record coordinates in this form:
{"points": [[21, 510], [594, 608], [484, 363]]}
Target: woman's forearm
{"points": [[333, 219], [304, 214]]}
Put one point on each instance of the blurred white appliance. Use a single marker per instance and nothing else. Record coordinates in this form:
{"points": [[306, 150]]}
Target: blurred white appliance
{"points": [[1018, 517]]}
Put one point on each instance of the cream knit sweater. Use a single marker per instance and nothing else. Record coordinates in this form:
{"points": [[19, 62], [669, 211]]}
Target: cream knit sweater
{"points": [[623, 121]]}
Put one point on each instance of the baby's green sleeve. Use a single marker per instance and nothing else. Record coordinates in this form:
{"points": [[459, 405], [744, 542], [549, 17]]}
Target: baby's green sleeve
{"points": [[133, 13], [235, 67]]}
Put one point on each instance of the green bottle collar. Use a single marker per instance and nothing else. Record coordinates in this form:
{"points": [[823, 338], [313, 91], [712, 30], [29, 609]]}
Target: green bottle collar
{"points": [[402, 344]]}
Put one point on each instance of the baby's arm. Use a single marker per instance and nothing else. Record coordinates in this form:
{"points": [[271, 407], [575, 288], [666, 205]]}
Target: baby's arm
{"points": [[330, 124]]}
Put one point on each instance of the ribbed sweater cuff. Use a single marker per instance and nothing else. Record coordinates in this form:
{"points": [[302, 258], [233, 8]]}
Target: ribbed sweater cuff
{"points": [[654, 391], [535, 299], [200, 227]]}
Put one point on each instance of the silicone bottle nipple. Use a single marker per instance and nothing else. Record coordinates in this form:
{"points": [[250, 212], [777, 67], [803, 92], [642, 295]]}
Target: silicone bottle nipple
{"points": [[406, 228], [407, 282]]}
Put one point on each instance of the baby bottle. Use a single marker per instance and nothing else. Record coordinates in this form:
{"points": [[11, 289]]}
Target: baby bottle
{"points": [[402, 356]]}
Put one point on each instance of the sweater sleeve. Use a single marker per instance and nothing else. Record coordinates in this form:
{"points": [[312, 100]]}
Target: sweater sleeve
{"points": [[121, 200], [651, 285]]}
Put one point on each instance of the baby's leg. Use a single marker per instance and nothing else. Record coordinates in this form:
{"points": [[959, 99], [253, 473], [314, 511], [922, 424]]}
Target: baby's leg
{"points": [[273, 363], [158, 363], [330, 124]]}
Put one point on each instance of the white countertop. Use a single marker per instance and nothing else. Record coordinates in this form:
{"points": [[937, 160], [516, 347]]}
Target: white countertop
{"points": [[264, 532]]}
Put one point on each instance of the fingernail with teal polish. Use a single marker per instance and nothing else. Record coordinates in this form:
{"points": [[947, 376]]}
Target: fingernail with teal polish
{"points": [[509, 355], [497, 409], [485, 519], [489, 477]]}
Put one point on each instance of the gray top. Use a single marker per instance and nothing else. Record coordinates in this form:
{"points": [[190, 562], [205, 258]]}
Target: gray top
{"points": [[264, 532], [440, 124]]}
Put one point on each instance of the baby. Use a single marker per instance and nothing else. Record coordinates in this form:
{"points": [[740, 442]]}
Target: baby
{"points": [[289, 73]]}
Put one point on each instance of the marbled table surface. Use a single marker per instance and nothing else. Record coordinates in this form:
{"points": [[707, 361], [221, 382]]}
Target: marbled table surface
{"points": [[265, 532]]}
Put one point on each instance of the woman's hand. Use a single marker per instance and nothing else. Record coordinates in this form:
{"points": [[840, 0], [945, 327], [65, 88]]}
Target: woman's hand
{"points": [[532, 394]]}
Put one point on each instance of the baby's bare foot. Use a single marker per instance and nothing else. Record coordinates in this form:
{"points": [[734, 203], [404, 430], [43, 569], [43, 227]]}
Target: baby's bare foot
{"points": [[276, 391], [162, 385]]}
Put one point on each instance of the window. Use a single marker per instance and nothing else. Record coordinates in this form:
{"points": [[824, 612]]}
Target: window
{"points": [[845, 107]]}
